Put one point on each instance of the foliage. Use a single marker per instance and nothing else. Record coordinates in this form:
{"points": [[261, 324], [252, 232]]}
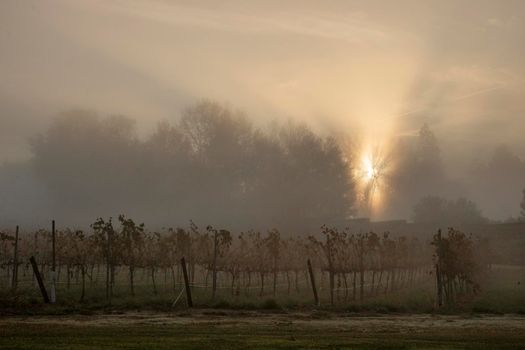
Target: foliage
{"points": [[211, 156], [458, 265], [433, 209], [251, 259]]}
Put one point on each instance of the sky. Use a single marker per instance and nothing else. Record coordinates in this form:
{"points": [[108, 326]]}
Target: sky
{"points": [[374, 70], [382, 68]]}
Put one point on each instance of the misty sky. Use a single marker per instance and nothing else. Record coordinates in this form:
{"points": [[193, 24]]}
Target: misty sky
{"points": [[380, 67], [373, 70]]}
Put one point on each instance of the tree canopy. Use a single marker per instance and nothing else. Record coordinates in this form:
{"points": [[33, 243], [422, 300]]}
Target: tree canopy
{"points": [[211, 165], [438, 210]]}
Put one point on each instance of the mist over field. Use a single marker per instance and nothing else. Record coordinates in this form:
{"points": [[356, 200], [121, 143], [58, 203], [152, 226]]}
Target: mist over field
{"points": [[261, 114], [262, 174]]}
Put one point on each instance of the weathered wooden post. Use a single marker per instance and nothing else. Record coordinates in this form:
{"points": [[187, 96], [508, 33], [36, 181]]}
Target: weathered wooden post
{"points": [[361, 268], [438, 270], [14, 281], [109, 291], [186, 282], [35, 250], [331, 274], [312, 280], [53, 267], [39, 280], [214, 272]]}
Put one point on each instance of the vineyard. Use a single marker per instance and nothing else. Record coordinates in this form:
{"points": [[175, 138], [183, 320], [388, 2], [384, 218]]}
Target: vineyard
{"points": [[335, 267]]}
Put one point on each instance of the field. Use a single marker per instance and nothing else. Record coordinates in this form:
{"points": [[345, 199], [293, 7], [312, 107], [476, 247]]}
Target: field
{"points": [[405, 319], [214, 329], [503, 292], [397, 312]]}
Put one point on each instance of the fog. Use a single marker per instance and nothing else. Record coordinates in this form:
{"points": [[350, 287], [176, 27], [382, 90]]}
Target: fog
{"points": [[431, 93]]}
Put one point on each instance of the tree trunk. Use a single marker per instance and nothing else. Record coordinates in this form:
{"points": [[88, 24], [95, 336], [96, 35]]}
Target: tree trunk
{"points": [[332, 281], [361, 284], [346, 286], [131, 284], [354, 285], [83, 271], [233, 282], [274, 282], [247, 286], [373, 282], [288, 281], [262, 284], [153, 280], [68, 272], [173, 279]]}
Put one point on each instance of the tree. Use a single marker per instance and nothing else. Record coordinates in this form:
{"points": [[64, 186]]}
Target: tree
{"points": [[213, 165], [458, 267], [417, 169], [222, 240], [312, 178], [104, 238], [428, 153], [81, 158], [132, 245], [273, 244], [152, 255], [80, 248], [494, 183], [438, 210]]}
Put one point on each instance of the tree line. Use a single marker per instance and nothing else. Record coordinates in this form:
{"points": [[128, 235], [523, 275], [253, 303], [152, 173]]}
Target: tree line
{"points": [[212, 165]]}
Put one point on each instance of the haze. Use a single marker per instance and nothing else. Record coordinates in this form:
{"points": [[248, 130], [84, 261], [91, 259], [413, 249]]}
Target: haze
{"points": [[371, 74]]}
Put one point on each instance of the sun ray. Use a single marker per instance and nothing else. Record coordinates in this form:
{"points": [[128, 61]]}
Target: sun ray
{"points": [[371, 180]]}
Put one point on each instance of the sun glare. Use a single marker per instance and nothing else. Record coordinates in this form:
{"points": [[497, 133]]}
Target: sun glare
{"points": [[369, 171], [371, 181]]}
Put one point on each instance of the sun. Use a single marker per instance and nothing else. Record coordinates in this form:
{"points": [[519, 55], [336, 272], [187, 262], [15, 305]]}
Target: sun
{"points": [[369, 175], [369, 170], [371, 180]]}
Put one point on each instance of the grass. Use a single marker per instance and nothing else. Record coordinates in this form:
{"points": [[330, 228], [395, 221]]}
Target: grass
{"points": [[233, 334], [501, 294], [414, 300], [393, 321]]}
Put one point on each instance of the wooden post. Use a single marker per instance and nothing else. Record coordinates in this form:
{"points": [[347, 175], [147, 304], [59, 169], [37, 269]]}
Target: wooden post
{"points": [[53, 267], [331, 274], [361, 268], [186, 282], [35, 249], [15, 262], [312, 280], [109, 291], [438, 271], [53, 233], [39, 280], [214, 273]]}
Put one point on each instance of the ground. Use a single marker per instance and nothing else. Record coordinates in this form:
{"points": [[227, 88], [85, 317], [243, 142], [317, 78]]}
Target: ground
{"points": [[216, 329]]}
